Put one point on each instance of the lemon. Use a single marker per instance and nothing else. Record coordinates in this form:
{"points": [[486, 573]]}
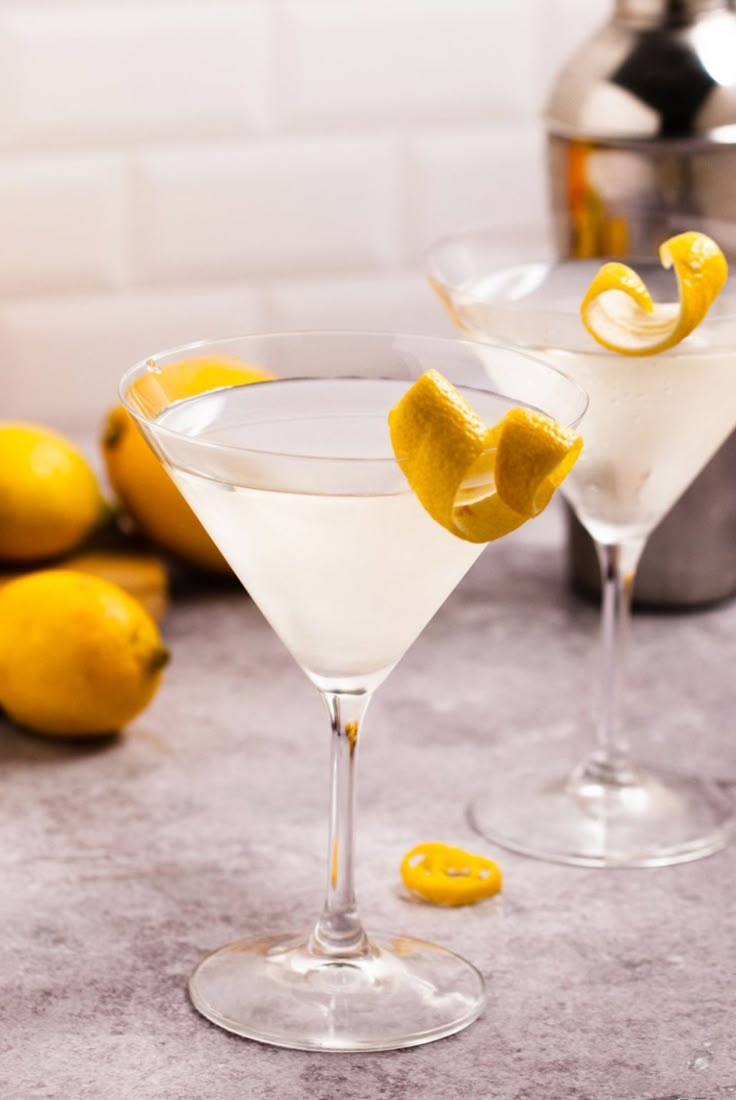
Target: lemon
{"points": [[480, 483], [50, 500], [78, 655], [141, 575], [618, 310], [141, 483], [149, 496], [187, 377]]}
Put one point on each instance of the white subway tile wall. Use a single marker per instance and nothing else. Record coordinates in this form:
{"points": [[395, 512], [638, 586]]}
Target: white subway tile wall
{"points": [[183, 169]]}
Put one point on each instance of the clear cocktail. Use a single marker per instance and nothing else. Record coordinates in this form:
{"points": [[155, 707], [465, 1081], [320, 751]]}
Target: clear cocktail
{"points": [[297, 482], [327, 551]]}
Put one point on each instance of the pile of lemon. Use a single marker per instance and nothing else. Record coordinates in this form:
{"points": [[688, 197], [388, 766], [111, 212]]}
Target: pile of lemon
{"points": [[81, 651]]}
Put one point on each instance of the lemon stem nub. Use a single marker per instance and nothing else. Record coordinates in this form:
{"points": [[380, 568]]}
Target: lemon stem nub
{"points": [[159, 659]]}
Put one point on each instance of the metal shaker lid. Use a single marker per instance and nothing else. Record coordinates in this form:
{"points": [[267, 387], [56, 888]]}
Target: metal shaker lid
{"points": [[659, 70]]}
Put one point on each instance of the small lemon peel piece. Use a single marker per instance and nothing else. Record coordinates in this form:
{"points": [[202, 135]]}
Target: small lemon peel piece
{"points": [[618, 310], [443, 875], [479, 483]]}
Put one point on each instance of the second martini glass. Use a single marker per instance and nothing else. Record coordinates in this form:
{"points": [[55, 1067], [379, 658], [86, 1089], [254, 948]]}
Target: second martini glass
{"points": [[296, 481], [651, 426]]}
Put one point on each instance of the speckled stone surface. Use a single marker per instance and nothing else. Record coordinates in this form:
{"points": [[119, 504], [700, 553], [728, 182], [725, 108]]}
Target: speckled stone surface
{"points": [[122, 863]]}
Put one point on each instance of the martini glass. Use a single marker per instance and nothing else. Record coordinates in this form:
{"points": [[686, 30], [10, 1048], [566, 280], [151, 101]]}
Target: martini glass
{"points": [[652, 424], [296, 482]]}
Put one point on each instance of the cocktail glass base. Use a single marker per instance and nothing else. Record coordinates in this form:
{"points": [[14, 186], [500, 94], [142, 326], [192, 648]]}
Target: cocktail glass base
{"points": [[399, 992], [654, 818]]}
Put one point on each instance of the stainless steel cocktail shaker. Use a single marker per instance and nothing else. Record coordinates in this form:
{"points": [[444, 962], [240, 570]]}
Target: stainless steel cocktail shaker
{"points": [[641, 127]]}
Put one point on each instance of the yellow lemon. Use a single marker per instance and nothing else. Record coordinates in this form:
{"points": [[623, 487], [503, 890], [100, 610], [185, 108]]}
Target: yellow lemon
{"points": [[188, 377], [141, 483], [78, 655], [618, 310], [141, 575], [478, 482], [149, 496], [50, 500]]}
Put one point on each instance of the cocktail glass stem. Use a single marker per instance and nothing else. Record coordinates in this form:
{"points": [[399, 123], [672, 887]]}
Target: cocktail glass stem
{"points": [[609, 765], [338, 930]]}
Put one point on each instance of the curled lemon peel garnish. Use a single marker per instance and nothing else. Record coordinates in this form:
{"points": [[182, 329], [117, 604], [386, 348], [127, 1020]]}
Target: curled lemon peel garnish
{"points": [[618, 310], [479, 483]]}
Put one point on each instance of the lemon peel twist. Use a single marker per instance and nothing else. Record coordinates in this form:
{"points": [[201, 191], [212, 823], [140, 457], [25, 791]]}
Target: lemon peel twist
{"points": [[618, 310], [478, 482], [444, 875]]}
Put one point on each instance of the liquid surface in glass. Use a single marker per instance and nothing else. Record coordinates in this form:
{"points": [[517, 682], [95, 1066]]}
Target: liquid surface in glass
{"points": [[299, 488]]}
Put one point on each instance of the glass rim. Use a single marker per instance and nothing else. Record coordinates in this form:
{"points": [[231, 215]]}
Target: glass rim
{"points": [[148, 365], [529, 262]]}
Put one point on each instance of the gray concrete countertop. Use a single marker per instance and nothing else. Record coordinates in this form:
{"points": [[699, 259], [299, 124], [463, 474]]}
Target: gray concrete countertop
{"points": [[124, 862]]}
